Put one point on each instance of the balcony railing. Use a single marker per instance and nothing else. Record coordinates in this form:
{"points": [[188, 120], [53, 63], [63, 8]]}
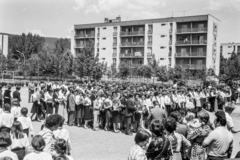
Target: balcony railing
{"points": [[80, 45], [149, 55], [150, 31], [190, 54], [114, 43], [114, 33], [123, 33], [132, 44], [189, 30], [149, 43], [193, 66], [191, 42], [131, 55], [84, 35]]}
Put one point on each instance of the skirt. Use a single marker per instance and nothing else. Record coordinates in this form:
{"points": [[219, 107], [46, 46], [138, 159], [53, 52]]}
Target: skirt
{"points": [[88, 114], [80, 109], [62, 110], [115, 116], [35, 107], [49, 108], [108, 114]]}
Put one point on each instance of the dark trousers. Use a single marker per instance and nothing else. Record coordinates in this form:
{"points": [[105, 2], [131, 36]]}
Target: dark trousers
{"points": [[30, 94], [128, 122], [1, 103], [71, 118], [56, 106]]}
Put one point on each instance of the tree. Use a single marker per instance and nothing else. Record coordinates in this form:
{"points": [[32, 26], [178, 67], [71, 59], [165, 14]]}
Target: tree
{"points": [[144, 71], [124, 70], [154, 64], [162, 74], [177, 74]]}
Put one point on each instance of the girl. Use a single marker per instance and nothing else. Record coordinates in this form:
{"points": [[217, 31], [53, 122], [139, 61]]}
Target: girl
{"points": [[20, 141], [5, 142], [60, 147], [115, 112], [88, 111], [107, 108], [63, 104], [16, 109], [36, 105], [78, 101], [49, 101]]}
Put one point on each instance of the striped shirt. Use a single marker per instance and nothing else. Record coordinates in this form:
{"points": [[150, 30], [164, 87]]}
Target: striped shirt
{"points": [[137, 153]]}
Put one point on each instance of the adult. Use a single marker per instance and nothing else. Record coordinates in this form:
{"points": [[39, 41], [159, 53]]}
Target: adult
{"points": [[51, 124], [181, 128], [130, 109], [71, 107], [7, 95], [220, 141], [17, 95], [5, 142], [56, 100], [31, 88], [156, 113], [1, 97]]}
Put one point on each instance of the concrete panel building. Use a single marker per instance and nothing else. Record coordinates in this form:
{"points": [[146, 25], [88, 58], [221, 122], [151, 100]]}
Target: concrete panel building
{"points": [[226, 49], [190, 41], [4, 43]]}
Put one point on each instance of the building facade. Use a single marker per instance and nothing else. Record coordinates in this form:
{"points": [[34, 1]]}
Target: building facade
{"points": [[190, 41], [4, 44], [226, 49]]}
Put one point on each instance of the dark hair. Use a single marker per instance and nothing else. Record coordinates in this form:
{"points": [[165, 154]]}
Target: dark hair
{"points": [[157, 127], [53, 120], [5, 139], [60, 146], [7, 107], [221, 118], [61, 157], [17, 130], [24, 111], [176, 115], [62, 122], [18, 88], [170, 124], [38, 143], [204, 117], [141, 136]]}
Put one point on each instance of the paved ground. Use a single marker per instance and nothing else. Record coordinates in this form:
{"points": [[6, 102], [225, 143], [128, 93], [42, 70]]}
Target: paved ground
{"points": [[102, 145]]}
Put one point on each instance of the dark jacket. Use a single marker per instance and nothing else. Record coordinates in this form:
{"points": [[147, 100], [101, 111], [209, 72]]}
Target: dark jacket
{"points": [[71, 103], [130, 108], [16, 94]]}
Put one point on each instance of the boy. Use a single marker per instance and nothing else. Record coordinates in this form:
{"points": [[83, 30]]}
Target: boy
{"points": [[16, 109], [26, 121]]}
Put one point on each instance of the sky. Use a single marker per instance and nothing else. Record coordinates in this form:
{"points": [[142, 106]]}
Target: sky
{"points": [[55, 18]]}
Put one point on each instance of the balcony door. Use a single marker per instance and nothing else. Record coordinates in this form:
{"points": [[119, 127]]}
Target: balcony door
{"points": [[201, 25], [199, 51], [199, 64], [183, 52], [184, 28], [201, 39]]}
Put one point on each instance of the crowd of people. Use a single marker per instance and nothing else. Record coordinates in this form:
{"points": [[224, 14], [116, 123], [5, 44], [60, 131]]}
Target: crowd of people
{"points": [[170, 122]]}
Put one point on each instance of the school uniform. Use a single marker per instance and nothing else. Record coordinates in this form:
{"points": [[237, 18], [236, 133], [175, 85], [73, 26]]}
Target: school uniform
{"points": [[6, 121], [7, 97], [16, 112], [26, 124]]}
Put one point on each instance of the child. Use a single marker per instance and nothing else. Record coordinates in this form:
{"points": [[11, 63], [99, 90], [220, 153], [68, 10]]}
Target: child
{"points": [[137, 152], [61, 149], [5, 142], [16, 109], [26, 121], [62, 133], [6, 119]]}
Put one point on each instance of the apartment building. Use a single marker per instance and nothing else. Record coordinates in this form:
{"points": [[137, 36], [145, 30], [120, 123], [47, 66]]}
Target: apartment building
{"points": [[189, 41], [226, 49]]}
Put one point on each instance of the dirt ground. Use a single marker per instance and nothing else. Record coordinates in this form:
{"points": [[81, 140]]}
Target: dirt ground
{"points": [[101, 145]]}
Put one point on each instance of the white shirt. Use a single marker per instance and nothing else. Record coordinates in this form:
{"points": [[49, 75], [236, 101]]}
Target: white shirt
{"points": [[16, 111], [26, 122], [62, 133], [6, 119], [20, 143], [38, 156], [10, 154]]}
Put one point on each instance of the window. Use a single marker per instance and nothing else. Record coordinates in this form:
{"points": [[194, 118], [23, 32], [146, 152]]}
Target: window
{"points": [[97, 49], [199, 50], [150, 27], [103, 58], [162, 59], [114, 50], [115, 29], [163, 24], [150, 38], [103, 48], [104, 38], [184, 26], [114, 40], [114, 60], [149, 50], [162, 47], [104, 28], [163, 35], [229, 46], [183, 50], [201, 25]]}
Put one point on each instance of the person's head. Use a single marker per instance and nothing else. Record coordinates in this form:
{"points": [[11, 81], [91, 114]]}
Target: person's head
{"points": [[52, 121], [38, 143], [17, 130], [5, 140], [157, 127], [18, 88], [24, 111], [142, 138], [6, 158], [170, 124], [155, 103], [7, 107], [176, 115], [220, 119], [61, 157], [60, 146], [203, 117]]}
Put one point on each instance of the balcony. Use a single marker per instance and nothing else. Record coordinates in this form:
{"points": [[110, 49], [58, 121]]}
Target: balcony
{"points": [[193, 66], [192, 30], [114, 55], [169, 54], [149, 55], [80, 45], [190, 54], [149, 43], [191, 42], [98, 34], [134, 44], [150, 31], [131, 55], [114, 33], [134, 65], [114, 43], [132, 33], [170, 42], [170, 31], [84, 35], [97, 44]]}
